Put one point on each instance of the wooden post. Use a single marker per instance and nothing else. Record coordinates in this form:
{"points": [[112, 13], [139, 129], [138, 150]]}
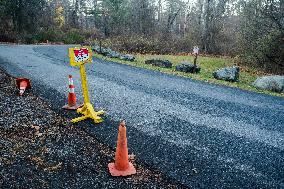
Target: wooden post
{"points": [[195, 59], [100, 46], [195, 52]]}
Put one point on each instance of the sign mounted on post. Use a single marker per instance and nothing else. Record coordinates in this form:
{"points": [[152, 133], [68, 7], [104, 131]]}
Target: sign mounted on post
{"points": [[80, 55], [195, 50]]}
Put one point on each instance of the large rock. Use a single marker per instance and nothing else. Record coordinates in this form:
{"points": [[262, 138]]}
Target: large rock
{"points": [[160, 63], [272, 83], [228, 74], [101, 50], [127, 57], [106, 51], [187, 68], [113, 54], [96, 48]]}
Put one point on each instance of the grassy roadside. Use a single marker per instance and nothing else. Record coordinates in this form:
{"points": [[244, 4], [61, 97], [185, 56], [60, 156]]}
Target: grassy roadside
{"points": [[208, 66]]}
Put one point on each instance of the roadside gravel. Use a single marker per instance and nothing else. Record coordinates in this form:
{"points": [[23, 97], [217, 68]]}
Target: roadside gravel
{"points": [[40, 149]]}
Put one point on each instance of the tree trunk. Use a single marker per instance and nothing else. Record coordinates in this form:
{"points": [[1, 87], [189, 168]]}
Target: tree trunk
{"points": [[205, 32]]}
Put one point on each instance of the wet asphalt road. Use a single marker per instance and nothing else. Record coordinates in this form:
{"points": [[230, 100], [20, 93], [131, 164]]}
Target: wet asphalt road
{"points": [[202, 135]]}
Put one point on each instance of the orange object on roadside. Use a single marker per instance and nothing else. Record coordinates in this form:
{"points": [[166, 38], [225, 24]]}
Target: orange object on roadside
{"points": [[22, 85], [121, 167], [72, 104]]}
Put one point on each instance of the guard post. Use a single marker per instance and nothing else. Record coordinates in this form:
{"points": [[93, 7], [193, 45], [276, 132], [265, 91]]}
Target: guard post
{"points": [[79, 56]]}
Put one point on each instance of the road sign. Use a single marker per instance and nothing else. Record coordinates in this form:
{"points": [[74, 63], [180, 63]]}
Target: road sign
{"points": [[195, 50], [79, 56]]}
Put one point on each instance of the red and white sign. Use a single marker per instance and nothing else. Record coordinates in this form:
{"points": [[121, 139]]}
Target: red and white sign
{"points": [[81, 55]]}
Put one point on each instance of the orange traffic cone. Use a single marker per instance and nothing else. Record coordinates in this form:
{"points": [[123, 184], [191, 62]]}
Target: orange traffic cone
{"points": [[72, 105], [121, 167], [23, 84]]}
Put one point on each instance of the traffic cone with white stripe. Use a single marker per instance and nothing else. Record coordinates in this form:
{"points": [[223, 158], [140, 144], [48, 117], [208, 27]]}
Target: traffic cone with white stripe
{"points": [[23, 84], [72, 104]]}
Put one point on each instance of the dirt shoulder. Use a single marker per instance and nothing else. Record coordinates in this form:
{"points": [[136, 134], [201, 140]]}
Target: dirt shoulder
{"points": [[40, 149]]}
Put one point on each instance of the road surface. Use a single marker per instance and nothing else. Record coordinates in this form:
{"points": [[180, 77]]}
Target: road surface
{"points": [[200, 134]]}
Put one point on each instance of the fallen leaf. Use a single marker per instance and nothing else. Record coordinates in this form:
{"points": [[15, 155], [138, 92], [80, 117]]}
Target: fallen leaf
{"points": [[54, 168], [35, 127], [131, 156]]}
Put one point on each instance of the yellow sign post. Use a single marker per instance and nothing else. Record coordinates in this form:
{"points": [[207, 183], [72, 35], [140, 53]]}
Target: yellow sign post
{"points": [[79, 57]]}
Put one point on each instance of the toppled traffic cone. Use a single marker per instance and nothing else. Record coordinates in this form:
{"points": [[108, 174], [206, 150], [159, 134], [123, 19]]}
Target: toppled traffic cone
{"points": [[22, 85], [72, 104], [121, 167]]}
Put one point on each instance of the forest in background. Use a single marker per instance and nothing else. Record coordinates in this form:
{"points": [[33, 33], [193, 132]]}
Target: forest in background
{"points": [[252, 31]]}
